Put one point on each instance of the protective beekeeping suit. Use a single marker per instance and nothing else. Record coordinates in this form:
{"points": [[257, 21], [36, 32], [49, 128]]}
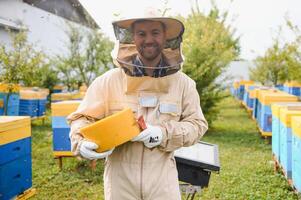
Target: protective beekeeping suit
{"points": [[149, 81]]}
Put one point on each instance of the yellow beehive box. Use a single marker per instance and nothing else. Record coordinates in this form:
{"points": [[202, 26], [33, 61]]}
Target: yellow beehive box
{"points": [[79, 95], [41, 95], [245, 82], [13, 128], [83, 88], [61, 96], [236, 85], [45, 91], [112, 131], [287, 113], [257, 91], [269, 98], [5, 88], [292, 84], [296, 125], [277, 106], [64, 108], [58, 87], [28, 94]]}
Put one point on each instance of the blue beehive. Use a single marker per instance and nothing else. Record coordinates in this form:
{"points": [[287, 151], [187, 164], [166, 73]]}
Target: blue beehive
{"points": [[265, 113], [276, 126], [241, 88], [29, 103], [60, 128], [12, 105], [293, 87], [286, 138], [15, 166], [250, 97], [296, 152]]}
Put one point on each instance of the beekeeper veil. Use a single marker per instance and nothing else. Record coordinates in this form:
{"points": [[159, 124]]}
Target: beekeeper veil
{"points": [[125, 50]]}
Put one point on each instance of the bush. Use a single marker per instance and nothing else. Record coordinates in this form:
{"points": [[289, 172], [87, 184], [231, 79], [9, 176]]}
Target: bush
{"points": [[209, 46]]}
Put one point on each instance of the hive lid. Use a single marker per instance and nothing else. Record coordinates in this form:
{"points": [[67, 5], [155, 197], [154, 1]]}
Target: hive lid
{"points": [[64, 108], [292, 84], [13, 122], [276, 107], [202, 155], [28, 94], [287, 113], [245, 82], [112, 131], [296, 125], [61, 96], [267, 99]]}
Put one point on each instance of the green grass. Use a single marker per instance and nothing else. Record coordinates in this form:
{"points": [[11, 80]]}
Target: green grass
{"points": [[247, 169]]}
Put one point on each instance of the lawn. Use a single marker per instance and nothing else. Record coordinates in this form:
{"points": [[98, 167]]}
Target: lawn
{"points": [[247, 170]]}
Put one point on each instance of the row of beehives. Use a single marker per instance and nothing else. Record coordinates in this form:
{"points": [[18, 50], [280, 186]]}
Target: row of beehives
{"points": [[15, 144], [278, 115], [21, 101]]}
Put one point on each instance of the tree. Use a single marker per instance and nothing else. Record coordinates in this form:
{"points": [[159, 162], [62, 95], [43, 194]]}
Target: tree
{"points": [[21, 64], [209, 46], [88, 56], [271, 68]]}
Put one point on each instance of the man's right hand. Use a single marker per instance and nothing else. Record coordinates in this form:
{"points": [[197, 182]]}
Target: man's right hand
{"points": [[87, 150]]}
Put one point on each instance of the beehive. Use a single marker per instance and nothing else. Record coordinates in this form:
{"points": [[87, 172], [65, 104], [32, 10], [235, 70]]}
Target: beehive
{"points": [[265, 113], [15, 166], [60, 128], [296, 152], [286, 115], [276, 125], [293, 87]]}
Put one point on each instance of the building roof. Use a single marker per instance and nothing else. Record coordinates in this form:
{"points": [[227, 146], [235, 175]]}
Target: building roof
{"points": [[68, 9]]}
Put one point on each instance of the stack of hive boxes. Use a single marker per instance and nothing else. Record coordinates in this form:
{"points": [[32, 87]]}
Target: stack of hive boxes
{"points": [[60, 128], [15, 166], [264, 115], [296, 152], [12, 106], [293, 87]]}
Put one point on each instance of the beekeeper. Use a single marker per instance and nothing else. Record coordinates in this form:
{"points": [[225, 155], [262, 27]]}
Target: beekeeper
{"points": [[148, 80]]}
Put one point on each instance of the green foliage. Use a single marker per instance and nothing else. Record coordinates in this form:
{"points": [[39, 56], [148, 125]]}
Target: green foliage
{"points": [[272, 68], [88, 56], [209, 46], [22, 63], [279, 63]]}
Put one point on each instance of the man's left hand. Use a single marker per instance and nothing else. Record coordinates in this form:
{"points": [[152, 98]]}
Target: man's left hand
{"points": [[151, 136]]}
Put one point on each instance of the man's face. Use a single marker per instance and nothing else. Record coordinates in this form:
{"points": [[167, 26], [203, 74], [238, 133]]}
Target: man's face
{"points": [[149, 38]]}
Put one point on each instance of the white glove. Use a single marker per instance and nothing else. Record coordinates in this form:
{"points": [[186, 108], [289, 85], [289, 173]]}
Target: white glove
{"points": [[151, 136], [87, 150]]}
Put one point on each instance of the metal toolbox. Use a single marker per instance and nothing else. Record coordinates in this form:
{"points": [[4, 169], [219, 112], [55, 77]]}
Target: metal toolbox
{"points": [[195, 163]]}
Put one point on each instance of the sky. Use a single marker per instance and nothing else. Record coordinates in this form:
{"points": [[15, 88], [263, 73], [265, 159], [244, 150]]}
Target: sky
{"points": [[256, 21]]}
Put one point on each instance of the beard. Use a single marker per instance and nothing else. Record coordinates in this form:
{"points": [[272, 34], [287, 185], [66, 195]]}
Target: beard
{"points": [[149, 51]]}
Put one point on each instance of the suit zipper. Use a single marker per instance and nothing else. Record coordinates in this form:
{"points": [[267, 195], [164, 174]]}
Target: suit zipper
{"points": [[141, 173], [142, 160]]}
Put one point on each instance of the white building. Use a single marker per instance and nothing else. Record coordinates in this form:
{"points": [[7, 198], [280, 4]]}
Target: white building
{"points": [[45, 20]]}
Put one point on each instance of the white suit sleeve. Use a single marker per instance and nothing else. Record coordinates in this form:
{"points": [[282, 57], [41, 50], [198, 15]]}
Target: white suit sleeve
{"points": [[192, 125], [91, 109]]}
